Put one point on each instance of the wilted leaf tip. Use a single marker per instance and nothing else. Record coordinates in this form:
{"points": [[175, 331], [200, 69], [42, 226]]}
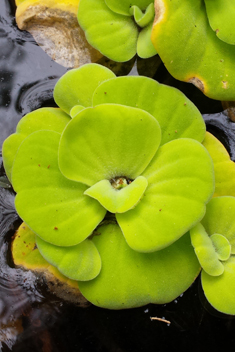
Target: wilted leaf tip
{"points": [[198, 83], [159, 11]]}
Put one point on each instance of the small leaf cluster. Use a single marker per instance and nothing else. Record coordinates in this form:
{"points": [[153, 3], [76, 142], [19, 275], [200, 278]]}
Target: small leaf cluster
{"points": [[113, 180], [118, 29], [214, 243]]}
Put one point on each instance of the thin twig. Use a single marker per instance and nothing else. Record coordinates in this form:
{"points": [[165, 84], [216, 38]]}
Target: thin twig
{"points": [[160, 319]]}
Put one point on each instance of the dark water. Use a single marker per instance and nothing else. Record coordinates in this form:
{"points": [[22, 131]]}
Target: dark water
{"points": [[31, 319]]}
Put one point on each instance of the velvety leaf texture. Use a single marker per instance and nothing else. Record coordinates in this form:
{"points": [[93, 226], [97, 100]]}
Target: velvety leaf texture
{"points": [[224, 167], [80, 262], [220, 290], [112, 191], [180, 183], [221, 14], [123, 6], [206, 251], [178, 118], [219, 224], [130, 279], [43, 192], [114, 35], [189, 47], [76, 87], [118, 201], [45, 118], [220, 218], [108, 141]]}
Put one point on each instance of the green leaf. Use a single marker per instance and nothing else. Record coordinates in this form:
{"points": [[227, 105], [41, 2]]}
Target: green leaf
{"points": [[51, 205], [224, 167], [130, 279], [114, 35], [219, 290], [75, 110], [222, 246], [9, 150], [108, 141], [176, 114], [26, 254], [205, 251], [219, 218], [145, 48], [80, 262], [52, 119], [190, 49], [221, 14], [24, 250], [143, 19], [118, 201], [123, 6], [76, 87], [180, 182]]}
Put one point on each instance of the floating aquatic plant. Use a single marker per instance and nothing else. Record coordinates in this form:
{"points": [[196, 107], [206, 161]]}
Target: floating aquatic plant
{"points": [[214, 243], [118, 29], [196, 41], [112, 190]]}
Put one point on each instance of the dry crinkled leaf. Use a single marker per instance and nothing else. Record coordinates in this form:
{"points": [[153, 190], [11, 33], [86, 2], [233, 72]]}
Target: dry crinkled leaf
{"points": [[54, 26]]}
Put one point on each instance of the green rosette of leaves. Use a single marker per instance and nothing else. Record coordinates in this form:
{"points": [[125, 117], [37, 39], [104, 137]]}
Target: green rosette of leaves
{"points": [[112, 190], [196, 41], [214, 243], [118, 29]]}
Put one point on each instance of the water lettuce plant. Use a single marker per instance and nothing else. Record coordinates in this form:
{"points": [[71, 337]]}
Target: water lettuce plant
{"points": [[111, 182], [196, 42], [118, 29], [214, 244]]}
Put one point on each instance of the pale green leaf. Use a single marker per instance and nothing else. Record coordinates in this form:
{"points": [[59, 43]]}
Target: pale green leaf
{"points": [[224, 167], [219, 290], [130, 279], [143, 18], [76, 87], [118, 200], [222, 246], [75, 110], [53, 119], [106, 142], [205, 251], [221, 15], [180, 183], [123, 6], [51, 205], [176, 114], [220, 218], [145, 48], [80, 262], [113, 34], [190, 49]]}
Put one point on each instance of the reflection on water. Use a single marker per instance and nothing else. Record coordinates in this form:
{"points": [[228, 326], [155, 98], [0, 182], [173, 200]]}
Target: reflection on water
{"points": [[31, 318], [17, 288], [22, 65], [224, 129]]}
